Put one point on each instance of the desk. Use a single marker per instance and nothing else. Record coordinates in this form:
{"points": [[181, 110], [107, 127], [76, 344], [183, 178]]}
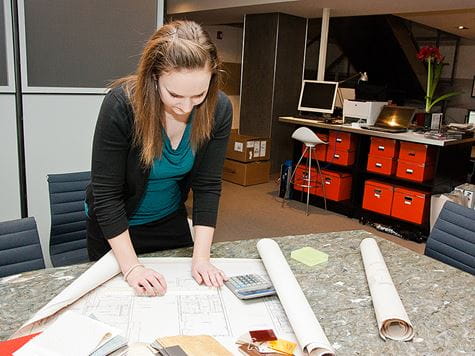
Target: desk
{"points": [[450, 165], [403, 136], [438, 298]]}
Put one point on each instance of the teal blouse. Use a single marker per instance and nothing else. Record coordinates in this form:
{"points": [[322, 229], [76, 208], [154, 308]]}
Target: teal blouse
{"points": [[162, 194]]}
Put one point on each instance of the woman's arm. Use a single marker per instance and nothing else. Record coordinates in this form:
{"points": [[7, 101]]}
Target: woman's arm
{"points": [[145, 281], [206, 187], [112, 142], [201, 268], [206, 181]]}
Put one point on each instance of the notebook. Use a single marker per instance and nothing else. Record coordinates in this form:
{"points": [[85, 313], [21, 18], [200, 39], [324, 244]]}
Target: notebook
{"points": [[393, 119]]}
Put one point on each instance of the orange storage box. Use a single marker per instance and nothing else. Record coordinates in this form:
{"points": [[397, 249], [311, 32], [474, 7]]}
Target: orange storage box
{"points": [[320, 152], [381, 165], [410, 205], [384, 147], [301, 178], [417, 153], [378, 197], [341, 141], [337, 185], [340, 157], [417, 172]]}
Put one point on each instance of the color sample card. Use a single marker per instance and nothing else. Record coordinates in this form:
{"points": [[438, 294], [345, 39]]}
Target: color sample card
{"points": [[309, 256], [281, 345], [262, 335], [173, 351], [251, 350]]}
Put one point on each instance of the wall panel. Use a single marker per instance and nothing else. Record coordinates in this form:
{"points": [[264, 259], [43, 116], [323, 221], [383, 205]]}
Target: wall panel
{"points": [[58, 139], [9, 176], [84, 44]]}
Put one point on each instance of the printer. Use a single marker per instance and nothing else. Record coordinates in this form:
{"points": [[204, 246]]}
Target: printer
{"points": [[363, 112]]}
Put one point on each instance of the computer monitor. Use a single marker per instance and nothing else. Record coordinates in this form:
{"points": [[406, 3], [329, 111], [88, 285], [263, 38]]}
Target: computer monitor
{"points": [[471, 117], [318, 96]]}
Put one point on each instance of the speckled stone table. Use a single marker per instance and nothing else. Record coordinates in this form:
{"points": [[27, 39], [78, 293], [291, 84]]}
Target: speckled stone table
{"points": [[439, 299]]}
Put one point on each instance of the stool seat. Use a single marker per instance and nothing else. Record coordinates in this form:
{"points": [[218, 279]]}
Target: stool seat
{"points": [[310, 140], [307, 136]]}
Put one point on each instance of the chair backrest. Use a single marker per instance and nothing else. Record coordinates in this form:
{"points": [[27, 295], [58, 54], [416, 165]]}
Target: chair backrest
{"points": [[452, 239], [67, 193], [20, 248]]}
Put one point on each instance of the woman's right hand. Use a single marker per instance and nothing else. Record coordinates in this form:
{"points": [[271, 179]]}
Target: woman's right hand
{"points": [[147, 282]]}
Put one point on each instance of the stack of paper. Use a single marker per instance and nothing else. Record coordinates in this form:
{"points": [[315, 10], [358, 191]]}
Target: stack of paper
{"points": [[199, 345], [71, 334]]}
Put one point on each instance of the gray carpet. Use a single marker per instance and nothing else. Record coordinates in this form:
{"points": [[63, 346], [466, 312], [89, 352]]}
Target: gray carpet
{"points": [[256, 212]]}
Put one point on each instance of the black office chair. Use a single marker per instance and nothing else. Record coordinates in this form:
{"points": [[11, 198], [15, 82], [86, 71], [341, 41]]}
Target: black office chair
{"points": [[452, 239], [67, 243], [20, 248]]}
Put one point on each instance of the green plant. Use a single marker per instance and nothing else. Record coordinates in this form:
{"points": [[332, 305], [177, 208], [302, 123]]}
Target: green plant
{"points": [[435, 63]]}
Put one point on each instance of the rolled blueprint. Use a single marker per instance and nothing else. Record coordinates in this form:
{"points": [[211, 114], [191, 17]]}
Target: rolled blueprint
{"points": [[393, 322], [307, 329]]}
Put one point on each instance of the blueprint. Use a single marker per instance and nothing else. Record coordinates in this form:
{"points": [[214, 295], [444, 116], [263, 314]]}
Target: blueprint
{"points": [[186, 309], [191, 309]]}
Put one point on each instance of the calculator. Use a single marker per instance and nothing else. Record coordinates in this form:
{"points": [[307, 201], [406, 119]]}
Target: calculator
{"points": [[248, 286]]}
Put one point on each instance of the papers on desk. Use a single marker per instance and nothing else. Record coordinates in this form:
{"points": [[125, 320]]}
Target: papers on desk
{"points": [[307, 329], [187, 308], [392, 319], [71, 334], [393, 322], [100, 272]]}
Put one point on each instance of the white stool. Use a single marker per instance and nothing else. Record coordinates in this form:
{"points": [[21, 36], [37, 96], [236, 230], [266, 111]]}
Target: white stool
{"points": [[310, 140]]}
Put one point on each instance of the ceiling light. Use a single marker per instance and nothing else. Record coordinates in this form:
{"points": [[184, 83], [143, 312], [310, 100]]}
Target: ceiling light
{"points": [[462, 28]]}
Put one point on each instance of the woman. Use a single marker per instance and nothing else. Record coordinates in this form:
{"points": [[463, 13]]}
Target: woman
{"points": [[160, 132]]}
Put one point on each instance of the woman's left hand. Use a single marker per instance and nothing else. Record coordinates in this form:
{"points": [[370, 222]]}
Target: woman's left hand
{"points": [[204, 272]]}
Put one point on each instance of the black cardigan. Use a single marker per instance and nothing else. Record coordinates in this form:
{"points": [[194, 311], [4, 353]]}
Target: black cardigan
{"points": [[118, 179]]}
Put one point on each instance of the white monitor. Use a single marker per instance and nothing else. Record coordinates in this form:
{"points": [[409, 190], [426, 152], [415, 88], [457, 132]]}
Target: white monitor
{"points": [[318, 96]]}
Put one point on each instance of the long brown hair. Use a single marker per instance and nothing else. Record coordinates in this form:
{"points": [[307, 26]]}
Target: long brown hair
{"points": [[176, 45]]}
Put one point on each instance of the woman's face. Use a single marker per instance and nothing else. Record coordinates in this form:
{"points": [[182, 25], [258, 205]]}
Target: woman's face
{"points": [[181, 90]]}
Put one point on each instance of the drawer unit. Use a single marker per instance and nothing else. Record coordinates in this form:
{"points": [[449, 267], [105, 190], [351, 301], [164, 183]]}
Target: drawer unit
{"points": [[417, 172], [378, 197], [320, 152], [301, 179], [410, 205], [417, 153], [337, 185], [381, 165], [383, 147], [341, 141], [340, 157]]}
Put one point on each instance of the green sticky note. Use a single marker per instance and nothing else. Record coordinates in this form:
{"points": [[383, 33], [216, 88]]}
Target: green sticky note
{"points": [[309, 256]]}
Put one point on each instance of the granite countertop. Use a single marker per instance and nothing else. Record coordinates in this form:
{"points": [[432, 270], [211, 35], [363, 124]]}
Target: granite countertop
{"points": [[439, 299]]}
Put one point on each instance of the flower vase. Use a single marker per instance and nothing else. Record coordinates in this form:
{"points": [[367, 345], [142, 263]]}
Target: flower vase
{"points": [[432, 121], [427, 120]]}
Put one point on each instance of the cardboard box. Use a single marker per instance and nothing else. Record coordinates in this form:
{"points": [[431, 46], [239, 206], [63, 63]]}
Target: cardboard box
{"points": [[437, 203], [246, 173], [244, 148], [468, 192]]}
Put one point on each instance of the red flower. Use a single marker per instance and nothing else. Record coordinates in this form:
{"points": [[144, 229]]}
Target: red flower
{"points": [[429, 53]]}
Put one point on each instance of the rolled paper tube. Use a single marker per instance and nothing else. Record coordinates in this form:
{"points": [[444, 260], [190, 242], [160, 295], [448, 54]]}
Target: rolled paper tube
{"points": [[307, 329], [392, 319]]}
